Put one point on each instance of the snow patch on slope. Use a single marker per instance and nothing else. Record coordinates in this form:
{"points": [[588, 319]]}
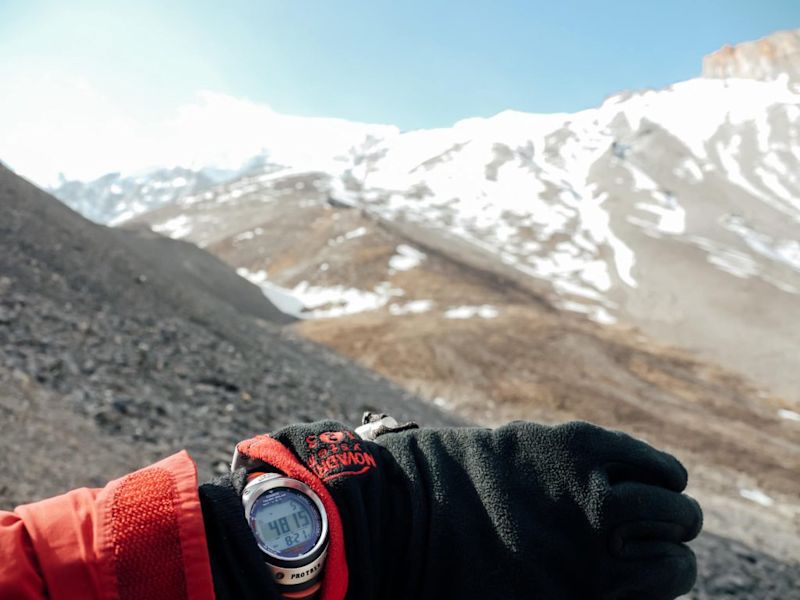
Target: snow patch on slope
{"points": [[411, 308], [175, 228], [756, 496], [405, 259], [314, 301], [789, 415], [467, 312]]}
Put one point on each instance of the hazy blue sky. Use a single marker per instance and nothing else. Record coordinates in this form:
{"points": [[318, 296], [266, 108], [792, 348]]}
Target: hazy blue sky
{"points": [[409, 63], [87, 87]]}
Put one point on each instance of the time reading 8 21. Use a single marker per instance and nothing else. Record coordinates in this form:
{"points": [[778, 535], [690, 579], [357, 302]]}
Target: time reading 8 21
{"points": [[287, 522]]}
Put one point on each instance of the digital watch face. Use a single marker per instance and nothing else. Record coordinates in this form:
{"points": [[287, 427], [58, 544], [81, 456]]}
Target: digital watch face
{"points": [[286, 522]]}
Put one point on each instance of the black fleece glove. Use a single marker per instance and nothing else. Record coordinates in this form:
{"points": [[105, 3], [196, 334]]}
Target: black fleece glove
{"points": [[524, 511], [237, 565]]}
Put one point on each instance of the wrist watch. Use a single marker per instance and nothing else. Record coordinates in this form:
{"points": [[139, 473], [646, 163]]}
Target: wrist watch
{"points": [[290, 525]]}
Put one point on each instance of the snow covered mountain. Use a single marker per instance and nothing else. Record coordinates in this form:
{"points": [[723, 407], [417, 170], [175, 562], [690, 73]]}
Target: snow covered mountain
{"points": [[116, 197], [675, 211], [214, 140]]}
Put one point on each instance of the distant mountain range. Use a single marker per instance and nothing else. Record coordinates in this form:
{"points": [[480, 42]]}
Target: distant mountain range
{"points": [[676, 211]]}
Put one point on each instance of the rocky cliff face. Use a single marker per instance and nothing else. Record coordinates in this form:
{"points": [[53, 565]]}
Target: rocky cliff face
{"points": [[769, 58]]}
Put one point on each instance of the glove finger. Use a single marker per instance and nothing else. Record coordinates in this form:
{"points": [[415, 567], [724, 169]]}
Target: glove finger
{"points": [[666, 572], [625, 458], [639, 512], [629, 459]]}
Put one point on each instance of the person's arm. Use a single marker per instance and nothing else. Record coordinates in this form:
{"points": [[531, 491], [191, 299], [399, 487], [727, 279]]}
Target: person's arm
{"points": [[20, 577], [140, 536], [569, 512], [524, 511]]}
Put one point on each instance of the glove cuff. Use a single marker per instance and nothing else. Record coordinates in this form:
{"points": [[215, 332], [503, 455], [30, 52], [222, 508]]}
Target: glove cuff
{"points": [[270, 451]]}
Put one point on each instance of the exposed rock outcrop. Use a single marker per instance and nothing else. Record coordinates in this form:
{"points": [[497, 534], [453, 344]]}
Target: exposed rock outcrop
{"points": [[772, 57]]}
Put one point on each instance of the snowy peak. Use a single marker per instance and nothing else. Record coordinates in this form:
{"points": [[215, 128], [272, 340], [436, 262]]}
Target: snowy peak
{"points": [[116, 197], [214, 139], [769, 58], [674, 211]]}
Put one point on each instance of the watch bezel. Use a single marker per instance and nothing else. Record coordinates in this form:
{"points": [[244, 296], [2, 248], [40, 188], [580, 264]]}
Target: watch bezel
{"points": [[267, 482]]}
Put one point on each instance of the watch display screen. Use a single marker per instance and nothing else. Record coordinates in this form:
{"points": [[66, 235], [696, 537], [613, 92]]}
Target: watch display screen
{"points": [[286, 522]]}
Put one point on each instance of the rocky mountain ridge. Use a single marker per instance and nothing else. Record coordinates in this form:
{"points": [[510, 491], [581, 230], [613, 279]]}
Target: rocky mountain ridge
{"points": [[772, 57]]}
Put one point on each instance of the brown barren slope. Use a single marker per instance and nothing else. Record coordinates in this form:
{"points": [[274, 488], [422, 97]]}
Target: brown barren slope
{"points": [[528, 365], [531, 361]]}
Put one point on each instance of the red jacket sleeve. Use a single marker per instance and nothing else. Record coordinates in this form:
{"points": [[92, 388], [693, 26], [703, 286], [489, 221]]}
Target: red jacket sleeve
{"points": [[141, 536]]}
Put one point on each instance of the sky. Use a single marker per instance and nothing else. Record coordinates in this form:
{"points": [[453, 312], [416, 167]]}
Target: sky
{"points": [[75, 76]]}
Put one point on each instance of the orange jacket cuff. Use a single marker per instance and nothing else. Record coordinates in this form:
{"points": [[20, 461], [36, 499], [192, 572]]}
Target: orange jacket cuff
{"points": [[141, 536]]}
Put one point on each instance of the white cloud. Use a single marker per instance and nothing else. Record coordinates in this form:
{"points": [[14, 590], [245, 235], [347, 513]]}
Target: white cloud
{"points": [[58, 124], [53, 124]]}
